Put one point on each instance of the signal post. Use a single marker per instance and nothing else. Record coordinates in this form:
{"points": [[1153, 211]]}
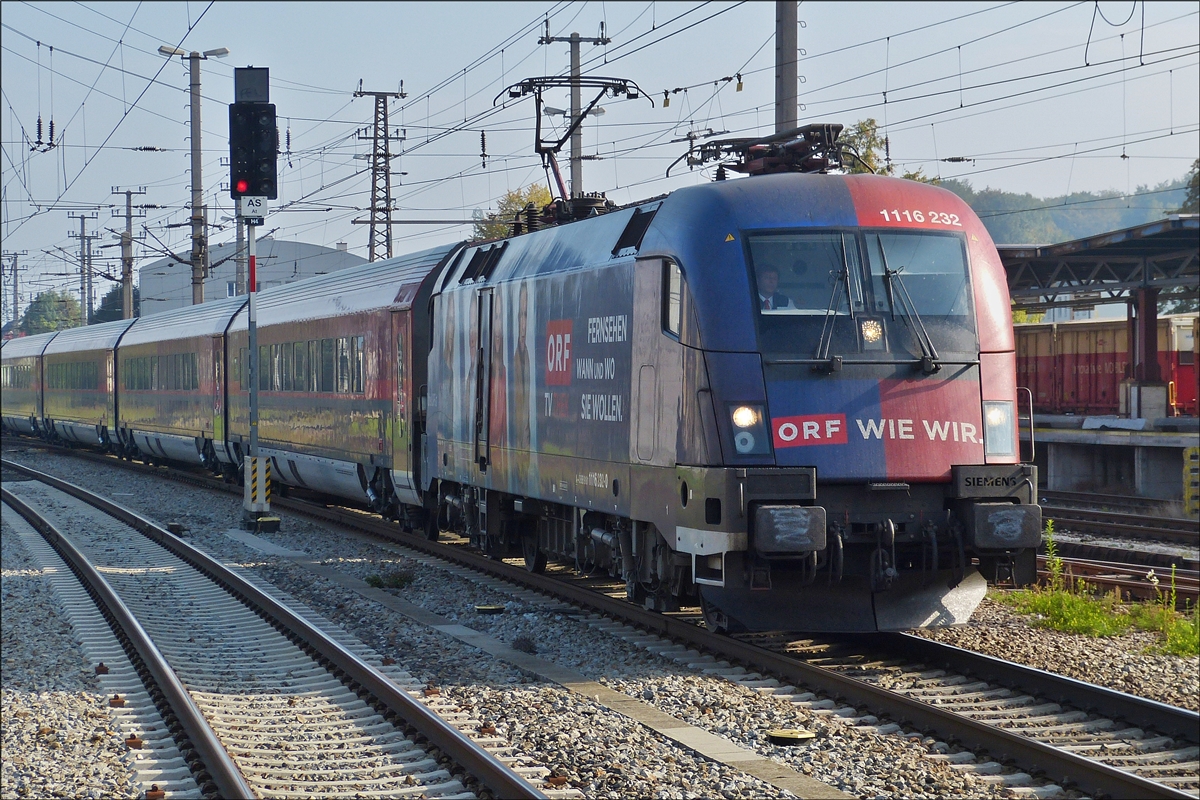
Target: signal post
{"points": [[253, 143]]}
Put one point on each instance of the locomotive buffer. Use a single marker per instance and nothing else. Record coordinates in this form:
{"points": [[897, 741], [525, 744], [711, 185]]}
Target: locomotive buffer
{"points": [[253, 144]]}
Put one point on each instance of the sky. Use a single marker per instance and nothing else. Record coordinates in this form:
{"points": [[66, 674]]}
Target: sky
{"points": [[1044, 98]]}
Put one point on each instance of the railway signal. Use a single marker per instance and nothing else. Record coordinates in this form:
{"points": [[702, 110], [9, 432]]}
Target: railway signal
{"points": [[253, 141], [253, 137]]}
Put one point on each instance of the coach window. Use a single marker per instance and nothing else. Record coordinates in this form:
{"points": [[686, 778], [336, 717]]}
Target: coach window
{"points": [[264, 368], [328, 366], [275, 384], [285, 367], [314, 364], [672, 302], [356, 362], [343, 364], [300, 366]]}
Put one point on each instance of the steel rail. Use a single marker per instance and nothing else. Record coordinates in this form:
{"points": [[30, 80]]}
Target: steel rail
{"points": [[1181, 530], [1139, 711], [217, 762], [1133, 581], [1116, 501], [482, 765], [1129, 559], [1060, 765]]}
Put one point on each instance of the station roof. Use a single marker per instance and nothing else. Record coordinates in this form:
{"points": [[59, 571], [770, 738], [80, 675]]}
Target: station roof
{"points": [[1105, 267]]}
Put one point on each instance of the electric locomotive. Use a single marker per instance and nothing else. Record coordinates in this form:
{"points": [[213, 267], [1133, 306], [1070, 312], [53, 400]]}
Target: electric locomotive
{"points": [[790, 397]]}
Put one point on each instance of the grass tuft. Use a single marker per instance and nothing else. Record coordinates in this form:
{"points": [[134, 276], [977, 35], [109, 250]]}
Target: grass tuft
{"points": [[1061, 610], [1077, 609]]}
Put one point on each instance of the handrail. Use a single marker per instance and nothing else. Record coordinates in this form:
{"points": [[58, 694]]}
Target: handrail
{"points": [[1032, 446]]}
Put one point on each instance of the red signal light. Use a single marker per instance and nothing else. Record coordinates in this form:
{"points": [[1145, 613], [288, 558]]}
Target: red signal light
{"points": [[242, 186]]}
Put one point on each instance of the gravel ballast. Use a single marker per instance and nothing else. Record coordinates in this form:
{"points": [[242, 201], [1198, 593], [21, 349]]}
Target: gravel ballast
{"points": [[1123, 662], [59, 740], [859, 762]]}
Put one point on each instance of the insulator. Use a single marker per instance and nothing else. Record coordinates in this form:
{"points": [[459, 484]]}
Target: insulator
{"points": [[51, 139], [289, 140], [39, 139], [483, 142]]}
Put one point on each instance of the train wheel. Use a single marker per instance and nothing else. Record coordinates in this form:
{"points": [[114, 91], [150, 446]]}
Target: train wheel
{"points": [[717, 621], [535, 559]]}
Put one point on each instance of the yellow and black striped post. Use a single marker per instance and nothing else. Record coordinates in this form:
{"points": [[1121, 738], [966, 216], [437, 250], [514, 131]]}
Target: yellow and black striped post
{"points": [[1191, 481], [256, 501]]}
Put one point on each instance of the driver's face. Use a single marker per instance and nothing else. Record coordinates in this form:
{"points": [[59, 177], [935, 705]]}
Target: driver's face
{"points": [[768, 282]]}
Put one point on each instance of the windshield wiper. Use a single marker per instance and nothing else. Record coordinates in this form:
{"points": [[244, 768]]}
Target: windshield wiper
{"points": [[834, 364], [929, 355]]}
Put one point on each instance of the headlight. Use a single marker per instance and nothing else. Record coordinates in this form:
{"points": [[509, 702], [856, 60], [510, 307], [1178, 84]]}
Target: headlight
{"points": [[999, 431], [749, 430], [745, 416], [872, 330]]}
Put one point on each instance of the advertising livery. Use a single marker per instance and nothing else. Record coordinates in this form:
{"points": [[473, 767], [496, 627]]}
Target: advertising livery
{"points": [[789, 388], [787, 398]]}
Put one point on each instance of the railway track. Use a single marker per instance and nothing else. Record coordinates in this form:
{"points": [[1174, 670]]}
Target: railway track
{"points": [[1109, 502], [272, 702], [862, 701], [1148, 739], [1181, 531], [1133, 581], [1082, 736]]}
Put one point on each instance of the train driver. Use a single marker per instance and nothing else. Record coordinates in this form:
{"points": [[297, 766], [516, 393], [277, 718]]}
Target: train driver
{"points": [[769, 296]]}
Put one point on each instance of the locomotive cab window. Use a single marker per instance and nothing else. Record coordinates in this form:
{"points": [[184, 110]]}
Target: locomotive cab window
{"points": [[868, 294], [672, 299]]}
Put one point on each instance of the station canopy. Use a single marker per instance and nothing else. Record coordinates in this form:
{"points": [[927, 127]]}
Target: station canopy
{"points": [[1106, 268]]}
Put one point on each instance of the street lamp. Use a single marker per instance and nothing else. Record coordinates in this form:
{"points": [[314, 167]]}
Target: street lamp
{"points": [[550, 111], [198, 234]]}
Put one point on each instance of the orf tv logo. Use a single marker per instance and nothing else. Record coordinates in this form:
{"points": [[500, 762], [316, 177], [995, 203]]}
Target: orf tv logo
{"points": [[558, 352]]}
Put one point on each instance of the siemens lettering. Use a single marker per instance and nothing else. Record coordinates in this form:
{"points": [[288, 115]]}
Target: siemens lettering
{"points": [[602, 330]]}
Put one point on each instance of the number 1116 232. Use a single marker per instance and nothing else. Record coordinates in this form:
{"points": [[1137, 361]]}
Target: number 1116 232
{"points": [[915, 215]]}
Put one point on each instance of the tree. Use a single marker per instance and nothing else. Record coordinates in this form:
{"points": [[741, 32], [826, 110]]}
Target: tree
{"points": [[499, 225], [864, 139], [1191, 201], [51, 311], [1184, 299], [110, 305]]}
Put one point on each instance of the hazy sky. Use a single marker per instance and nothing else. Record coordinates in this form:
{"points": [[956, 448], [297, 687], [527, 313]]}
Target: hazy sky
{"points": [[1037, 94]]}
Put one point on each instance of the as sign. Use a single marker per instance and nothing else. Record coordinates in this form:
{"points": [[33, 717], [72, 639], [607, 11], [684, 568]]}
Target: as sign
{"points": [[252, 206]]}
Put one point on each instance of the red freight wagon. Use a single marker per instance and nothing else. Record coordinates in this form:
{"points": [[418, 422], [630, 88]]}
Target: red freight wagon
{"points": [[1077, 367]]}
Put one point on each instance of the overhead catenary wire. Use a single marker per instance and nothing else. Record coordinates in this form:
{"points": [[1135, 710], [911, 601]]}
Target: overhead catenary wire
{"points": [[123, 117], [336, 159]]}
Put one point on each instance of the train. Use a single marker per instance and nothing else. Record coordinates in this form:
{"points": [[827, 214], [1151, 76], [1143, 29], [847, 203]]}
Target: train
{"points": [[787, 398], [1078, 367]]}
